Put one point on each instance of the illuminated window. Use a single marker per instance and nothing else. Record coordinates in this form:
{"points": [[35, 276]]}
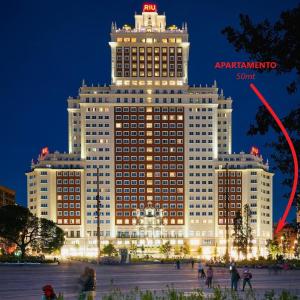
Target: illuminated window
{"points": [[178, 40], [164, 40], [119, 40], [133, 40], [118, 125]]}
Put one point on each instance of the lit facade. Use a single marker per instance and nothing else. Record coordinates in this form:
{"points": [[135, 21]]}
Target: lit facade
{"points": [[157, 146]]}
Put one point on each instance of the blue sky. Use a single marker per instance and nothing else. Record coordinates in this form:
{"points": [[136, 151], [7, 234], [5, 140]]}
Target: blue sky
{"points": [[48, 47]]}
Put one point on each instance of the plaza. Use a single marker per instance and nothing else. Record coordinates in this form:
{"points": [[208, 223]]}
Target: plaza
{"points": [[26, 282]]}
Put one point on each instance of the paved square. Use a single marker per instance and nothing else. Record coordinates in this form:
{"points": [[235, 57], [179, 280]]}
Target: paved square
{"points": [[25, 282]]}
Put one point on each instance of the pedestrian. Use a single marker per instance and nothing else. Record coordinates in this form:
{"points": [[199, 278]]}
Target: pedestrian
{"points": [[247, 276], [192, 263], [178, 264], [88, 283], [235, 277], [49, 293], [209, 277], [201, 272]]}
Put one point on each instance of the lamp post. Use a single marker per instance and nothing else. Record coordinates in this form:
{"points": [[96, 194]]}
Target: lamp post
{"points": [[98, 218], [227, 214]]}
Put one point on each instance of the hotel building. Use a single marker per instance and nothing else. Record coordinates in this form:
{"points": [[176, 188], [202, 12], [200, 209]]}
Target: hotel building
{"points": [[159, 150]]}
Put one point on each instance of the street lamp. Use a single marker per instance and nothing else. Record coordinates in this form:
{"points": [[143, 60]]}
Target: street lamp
{"points": [[98, 218], [227, 214]]}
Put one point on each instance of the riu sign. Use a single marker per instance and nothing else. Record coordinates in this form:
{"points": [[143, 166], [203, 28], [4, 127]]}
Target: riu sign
{"points": [[149, 7]]}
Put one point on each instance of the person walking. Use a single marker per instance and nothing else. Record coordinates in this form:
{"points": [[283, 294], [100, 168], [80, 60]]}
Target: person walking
{"points": [[192, 263], [49, 293], [209, 277], [178, 264], [201, 272], [88, 283], [247, 276], [235, 277]]}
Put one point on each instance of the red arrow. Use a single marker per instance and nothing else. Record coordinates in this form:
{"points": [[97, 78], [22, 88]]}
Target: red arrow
{"points": [[282, 220]]}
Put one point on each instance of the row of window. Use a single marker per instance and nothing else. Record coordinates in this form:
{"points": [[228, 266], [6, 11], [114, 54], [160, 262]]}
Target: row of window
{"points": [[143, 191], [232, 197], [149, 109], [70, 173], [149, 174], [68, 189], [172, 221], [133, 213], [68, 181], [148, 125], [149, 158], [68, 197], [68, 213], [68, 205], [203, 213], [155, 166], [149, 149], [155, 198], [150, 182]]}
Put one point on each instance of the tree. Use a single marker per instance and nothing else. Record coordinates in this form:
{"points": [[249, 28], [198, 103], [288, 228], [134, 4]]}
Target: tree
{"points": [[185, 249], [133, 249], [274, 42], [248, 229], [165, 249], [238, 233], [200, 251], [271, 42], [19, 226], [273, 248], [242, 231], [109, 250], [177, 250]]}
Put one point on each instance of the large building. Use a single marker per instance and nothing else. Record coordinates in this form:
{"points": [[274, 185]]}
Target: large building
{"points": [[7, 196], [158, 151]]}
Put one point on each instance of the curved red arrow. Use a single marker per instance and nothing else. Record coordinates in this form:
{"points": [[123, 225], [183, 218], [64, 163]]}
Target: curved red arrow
{"points": [[281, 222]]}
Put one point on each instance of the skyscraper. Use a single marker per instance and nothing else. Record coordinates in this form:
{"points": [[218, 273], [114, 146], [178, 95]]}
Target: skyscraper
{"points": [[157, 149]]}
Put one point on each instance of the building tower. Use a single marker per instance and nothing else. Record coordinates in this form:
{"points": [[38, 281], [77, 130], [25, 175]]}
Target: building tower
{"points": [[159, 145]]}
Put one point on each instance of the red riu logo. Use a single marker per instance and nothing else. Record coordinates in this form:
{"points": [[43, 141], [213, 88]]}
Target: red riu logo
{"points": [[149, 7]]}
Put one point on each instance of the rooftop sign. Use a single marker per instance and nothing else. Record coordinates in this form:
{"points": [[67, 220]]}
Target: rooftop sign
{"points": [[149, 7]]}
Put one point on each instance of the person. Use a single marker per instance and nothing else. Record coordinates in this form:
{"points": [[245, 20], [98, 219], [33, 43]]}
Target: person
{"points": [[235, 277], [192, 263], [88, 283], [201, 272], [209, 276], [178, 264], [49, 293], [247, 276]]}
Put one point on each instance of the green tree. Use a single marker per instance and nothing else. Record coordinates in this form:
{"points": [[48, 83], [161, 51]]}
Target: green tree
{"points": [[248, 230], [133, 249], [185, 249], [177, 250], [238, 234], [274, 248], [278, 42], [200, 250], [165, 249], [19, 226], [109, 250]]}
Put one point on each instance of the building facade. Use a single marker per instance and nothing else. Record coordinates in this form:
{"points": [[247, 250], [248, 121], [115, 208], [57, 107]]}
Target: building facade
{"points": [[7, 196], [155, 149]]}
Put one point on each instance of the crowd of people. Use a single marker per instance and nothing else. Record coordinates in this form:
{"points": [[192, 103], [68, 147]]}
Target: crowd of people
{"points": [[87, 280], [235, 276], [87, 286]]}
